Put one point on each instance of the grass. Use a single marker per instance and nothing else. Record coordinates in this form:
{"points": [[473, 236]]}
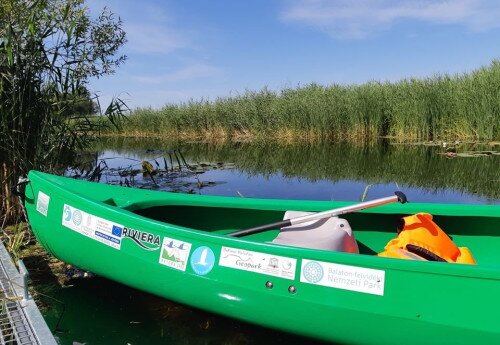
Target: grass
{"points": [[15, 237], [465, 106]]}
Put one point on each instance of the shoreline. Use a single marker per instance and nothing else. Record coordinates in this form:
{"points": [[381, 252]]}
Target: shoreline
{"points": [[287, 137]]}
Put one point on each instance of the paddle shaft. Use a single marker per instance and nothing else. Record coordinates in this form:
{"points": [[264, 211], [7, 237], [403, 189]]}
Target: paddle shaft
{"points": [[399, 196]]}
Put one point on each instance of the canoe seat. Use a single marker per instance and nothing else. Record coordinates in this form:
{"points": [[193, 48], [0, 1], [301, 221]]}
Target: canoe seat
{"points": [[328, 234]]}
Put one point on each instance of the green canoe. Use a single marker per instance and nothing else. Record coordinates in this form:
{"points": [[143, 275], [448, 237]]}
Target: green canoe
{"points": [[176, 246]]}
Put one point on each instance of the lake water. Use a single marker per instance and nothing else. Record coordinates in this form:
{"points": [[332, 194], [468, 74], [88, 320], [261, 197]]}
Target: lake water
{"points": [[99, 311]]}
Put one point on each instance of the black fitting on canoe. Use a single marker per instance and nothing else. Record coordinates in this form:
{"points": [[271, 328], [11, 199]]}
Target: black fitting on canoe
{"points": [[18, 189], [401, 197]]}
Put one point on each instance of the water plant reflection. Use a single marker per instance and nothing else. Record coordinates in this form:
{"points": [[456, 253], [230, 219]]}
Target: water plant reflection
{"points": [[418, 166]]}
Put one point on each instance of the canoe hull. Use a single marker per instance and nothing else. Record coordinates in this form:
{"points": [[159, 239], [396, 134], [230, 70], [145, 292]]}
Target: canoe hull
{"points": [[337, 297]]}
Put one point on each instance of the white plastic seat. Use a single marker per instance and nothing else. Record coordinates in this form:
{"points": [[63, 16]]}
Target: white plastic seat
{"points": [[331, 233]]}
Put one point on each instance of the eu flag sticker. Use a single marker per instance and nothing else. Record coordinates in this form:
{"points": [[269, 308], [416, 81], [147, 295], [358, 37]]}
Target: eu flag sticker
{"points": [[117, 231], [202, 260]]}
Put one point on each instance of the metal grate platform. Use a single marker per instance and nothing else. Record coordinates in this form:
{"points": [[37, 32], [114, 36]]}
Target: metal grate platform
{"points": [[20, 320]]}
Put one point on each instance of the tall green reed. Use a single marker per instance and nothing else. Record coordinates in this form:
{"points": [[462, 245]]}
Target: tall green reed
{"points": [[461, 106], [48, 52]]}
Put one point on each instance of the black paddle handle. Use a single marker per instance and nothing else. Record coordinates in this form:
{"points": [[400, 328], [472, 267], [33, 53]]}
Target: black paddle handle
{"points": [[261, 228], [401, 197]]}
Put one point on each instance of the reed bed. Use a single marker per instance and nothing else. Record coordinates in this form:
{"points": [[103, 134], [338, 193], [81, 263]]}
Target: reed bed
{"points": [[461, 106]]}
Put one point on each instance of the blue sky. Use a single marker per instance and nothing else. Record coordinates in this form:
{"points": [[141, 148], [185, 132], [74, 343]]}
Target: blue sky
{"points": [[192, 49]]}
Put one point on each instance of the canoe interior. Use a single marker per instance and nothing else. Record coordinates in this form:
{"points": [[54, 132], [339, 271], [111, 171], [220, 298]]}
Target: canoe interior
{"points": [[372, 230]]}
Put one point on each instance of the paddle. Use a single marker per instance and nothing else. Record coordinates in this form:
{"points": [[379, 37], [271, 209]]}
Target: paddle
{"points": [[399, 196]]}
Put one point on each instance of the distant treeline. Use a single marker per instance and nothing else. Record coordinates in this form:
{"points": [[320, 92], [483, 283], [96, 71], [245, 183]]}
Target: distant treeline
{"points": [[465, 106]]}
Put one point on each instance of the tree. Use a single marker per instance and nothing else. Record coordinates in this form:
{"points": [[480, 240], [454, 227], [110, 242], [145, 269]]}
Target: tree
{"points": [[81, 102], [49, 51]]}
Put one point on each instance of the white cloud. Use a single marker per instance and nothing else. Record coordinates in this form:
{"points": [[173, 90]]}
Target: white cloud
{"points": [[157, 98], [358, 19], [189, 72], [154, 38], [168, 55], [150, 28]]}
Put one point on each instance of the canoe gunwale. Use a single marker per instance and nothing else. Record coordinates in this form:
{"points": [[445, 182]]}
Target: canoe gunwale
{"points": [[121, 215]]}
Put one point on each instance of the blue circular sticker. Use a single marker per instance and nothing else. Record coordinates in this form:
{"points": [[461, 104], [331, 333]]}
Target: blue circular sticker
{"points": [[202, 260], [313, 272]]}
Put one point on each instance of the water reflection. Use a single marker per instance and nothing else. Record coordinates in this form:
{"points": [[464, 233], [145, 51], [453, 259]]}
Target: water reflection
{"points": [[100, 311], [324, 171]]}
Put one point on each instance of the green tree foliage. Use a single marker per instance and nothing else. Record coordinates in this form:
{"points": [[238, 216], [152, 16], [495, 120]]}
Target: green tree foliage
{"points": [[81, 102], [49, 51]]}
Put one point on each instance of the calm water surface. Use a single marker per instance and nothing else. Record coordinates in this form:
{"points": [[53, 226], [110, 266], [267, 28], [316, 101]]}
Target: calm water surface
{"points": [[99, 311]]}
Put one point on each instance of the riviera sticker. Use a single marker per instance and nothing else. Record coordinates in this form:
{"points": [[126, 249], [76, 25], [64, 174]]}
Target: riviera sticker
{"points": [[42, 203], [272, 265], [143, 239], [174, 253], [97, 228], [202, 260], [360, 279]]}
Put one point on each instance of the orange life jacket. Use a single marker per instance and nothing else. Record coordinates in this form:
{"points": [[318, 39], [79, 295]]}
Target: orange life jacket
{"points": [[420, 238]]}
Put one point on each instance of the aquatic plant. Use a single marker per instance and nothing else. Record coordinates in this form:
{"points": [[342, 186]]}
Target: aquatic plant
{"points": [[461, 106], [420, 166]]}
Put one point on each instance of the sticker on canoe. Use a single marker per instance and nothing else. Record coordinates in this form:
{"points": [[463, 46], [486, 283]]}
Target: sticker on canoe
{"points": [[97, 228], [360, 279], [42, 203], [202, 260], [272, 265], [145, 240], [174, 253]]}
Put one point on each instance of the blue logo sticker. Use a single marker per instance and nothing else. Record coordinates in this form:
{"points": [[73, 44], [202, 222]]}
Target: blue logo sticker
{"points": [[107, 237], [67, 213], [313, 272], [117, 231], [202, 260]]}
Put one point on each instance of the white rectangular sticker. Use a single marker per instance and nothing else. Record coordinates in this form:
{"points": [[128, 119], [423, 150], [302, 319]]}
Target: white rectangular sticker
{"points": [[344, 277], [42, 203], [97, 228], [174, 253], [272, 265]]}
